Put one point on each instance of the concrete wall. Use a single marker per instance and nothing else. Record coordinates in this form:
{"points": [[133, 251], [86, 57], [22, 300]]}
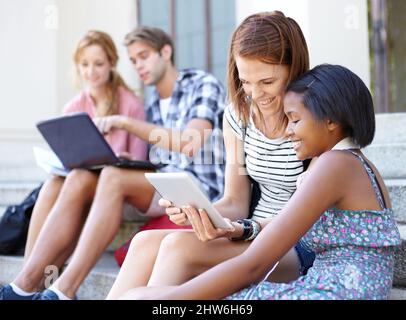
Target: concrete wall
{"points": [[336, 30], [28, 55], [37, 39]]}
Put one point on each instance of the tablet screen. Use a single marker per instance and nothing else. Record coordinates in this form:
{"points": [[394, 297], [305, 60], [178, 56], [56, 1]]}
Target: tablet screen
{"points": [[181, 189]]}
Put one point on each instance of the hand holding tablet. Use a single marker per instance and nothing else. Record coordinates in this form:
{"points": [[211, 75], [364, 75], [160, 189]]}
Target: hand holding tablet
{"points": [[175, 213], [182, 190]]}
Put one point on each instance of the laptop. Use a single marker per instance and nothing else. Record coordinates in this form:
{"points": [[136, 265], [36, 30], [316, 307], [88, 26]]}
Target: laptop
{"points": [[77, 142]]}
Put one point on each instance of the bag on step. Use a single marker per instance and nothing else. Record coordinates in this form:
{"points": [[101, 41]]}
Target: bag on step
{"points": [[14, 224]]}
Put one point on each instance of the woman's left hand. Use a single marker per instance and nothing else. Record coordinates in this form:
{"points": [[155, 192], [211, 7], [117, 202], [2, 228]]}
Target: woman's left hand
{"points": [[202, 225], [105, 124]]}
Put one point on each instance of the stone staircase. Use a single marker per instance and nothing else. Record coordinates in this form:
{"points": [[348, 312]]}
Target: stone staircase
{"points": [[388, 152], [19, 174]]}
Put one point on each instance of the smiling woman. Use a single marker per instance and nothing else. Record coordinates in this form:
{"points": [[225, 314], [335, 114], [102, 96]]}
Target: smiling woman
{"points": [[263, 83], [94, 67], [302, 122], [95, 61]]}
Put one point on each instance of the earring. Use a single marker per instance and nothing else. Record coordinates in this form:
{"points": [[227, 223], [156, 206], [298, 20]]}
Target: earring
{"points": [[248, 99]]}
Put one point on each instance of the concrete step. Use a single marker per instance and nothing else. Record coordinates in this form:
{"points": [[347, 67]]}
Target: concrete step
{"points": [[95, 287], [388, 149], [100, 280], [29, 173], [18, 152], [390, 128], [126, 232], [98, 283], [17, 162], [389, 158], [399, 278], [397, 193], [15, 192], [397, 294]]}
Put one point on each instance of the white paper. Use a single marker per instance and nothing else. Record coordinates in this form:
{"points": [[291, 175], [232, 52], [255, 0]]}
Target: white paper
{"points": [[47, 160]]}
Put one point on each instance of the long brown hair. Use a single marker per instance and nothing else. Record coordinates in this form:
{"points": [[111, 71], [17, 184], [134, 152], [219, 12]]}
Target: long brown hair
{"points": [[272, 38], [102, 39]]}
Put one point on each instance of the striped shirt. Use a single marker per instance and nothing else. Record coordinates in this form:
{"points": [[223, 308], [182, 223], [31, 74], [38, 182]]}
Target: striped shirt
{"points": [[271, 162]]}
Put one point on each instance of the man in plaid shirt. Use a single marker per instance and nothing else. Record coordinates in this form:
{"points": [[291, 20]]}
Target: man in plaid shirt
{"points": [[184, 117], [183, 127]]}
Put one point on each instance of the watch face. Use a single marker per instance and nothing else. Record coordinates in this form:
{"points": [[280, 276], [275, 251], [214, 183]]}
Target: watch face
{"points": [[247, 229]]}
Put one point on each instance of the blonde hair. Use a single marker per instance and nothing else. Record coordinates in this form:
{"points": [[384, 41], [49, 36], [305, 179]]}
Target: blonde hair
{"points": [[103, 40], [272, 38]]}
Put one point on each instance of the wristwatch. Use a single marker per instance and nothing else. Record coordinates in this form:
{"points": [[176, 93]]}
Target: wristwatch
{"points": [[247, 230]]}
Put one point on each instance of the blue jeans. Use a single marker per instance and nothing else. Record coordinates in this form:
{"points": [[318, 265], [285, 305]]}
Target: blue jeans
{"points": [[306, 257]]}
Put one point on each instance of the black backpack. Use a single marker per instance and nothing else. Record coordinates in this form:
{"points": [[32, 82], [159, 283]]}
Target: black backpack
{"points": [[14, 224]]}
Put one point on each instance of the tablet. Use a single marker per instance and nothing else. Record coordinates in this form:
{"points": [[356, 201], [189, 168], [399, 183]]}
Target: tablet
{"points": [[181, 189]]}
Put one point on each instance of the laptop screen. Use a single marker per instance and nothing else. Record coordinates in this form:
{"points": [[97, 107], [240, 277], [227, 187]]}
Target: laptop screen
{"points": [[76, 141]]}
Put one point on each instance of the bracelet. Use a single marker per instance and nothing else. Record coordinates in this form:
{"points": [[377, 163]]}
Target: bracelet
{"points": [[256, 229], [247, 230]]}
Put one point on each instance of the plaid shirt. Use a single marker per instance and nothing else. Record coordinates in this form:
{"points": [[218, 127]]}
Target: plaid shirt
{"points": [[196, 94]]}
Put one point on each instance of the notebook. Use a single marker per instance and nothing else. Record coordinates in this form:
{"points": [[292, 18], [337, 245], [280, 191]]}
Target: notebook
{"points": [[77, 142]]}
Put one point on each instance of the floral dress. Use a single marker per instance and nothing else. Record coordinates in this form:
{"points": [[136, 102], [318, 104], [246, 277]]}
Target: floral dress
{"points": [[354, 257]]}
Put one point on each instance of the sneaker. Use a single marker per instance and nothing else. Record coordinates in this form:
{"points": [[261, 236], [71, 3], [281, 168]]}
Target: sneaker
{"points": [[7, 293], [47, 295]]}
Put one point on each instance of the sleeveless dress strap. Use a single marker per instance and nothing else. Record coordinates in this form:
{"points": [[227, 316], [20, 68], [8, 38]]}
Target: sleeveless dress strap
{"points": [[374, 181]]}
